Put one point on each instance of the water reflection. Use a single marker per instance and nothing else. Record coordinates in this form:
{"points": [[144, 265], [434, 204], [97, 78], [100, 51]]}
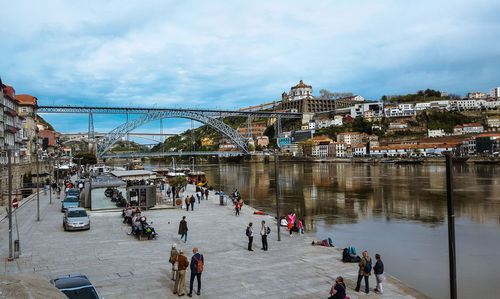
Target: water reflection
{"points": [[347, 193]]}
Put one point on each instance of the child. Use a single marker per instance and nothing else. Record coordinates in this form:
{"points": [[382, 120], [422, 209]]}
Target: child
{"points": [[300, 226], [379, 274]]}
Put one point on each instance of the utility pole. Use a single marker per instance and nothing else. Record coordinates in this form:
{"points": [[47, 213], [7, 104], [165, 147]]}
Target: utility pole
{"points": [[50, 179], [451, 227], [276, 179], [57, 173], [9, 173], [37, 184]]}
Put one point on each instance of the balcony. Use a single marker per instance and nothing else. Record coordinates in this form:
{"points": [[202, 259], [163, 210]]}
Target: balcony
{"points": [[10, 111], [10, 129]]}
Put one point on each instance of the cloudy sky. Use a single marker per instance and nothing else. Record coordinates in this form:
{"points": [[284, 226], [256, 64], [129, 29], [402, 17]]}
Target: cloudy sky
{"points": [[232, 54]]}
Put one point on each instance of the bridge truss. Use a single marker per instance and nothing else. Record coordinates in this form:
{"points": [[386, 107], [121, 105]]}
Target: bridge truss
{"points": [[212, 118]]}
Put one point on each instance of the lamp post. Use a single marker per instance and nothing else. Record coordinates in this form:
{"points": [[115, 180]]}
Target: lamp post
{"points": [[276, 179], [9, 172], [451, 226], [50, 179], [37, 183]]}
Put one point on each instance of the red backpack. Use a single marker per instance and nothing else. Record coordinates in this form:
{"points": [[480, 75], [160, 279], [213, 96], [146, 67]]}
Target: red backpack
{"points": [[199, 264]]}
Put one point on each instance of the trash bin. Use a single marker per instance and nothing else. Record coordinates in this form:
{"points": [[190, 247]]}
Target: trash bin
{"points": [[17, 248], [223, 200]]}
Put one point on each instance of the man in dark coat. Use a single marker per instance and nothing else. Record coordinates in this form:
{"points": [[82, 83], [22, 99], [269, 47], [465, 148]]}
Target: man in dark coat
{"points": [[183, 229], [192, 202]]}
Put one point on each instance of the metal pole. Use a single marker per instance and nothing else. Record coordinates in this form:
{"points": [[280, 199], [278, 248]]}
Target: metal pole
{"points": [[276, 179], [50, 179], [451, 227], [9, 173], [37, 185], [221, 199]]}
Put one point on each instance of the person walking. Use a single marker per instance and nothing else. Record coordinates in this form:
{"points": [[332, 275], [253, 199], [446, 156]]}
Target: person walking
{"points": [[192, 200], [206, 193], [249, 233], [378, 270], [173, 258], [300, 226], [264, 231], [187, 201], [169, 191], [338, 289], [197, 263], [198, 195], [237, 209], [183, 229], [365, 267], [182, 263]]}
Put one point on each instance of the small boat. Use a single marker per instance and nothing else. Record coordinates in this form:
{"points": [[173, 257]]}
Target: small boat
{"points": [[198, 178]]}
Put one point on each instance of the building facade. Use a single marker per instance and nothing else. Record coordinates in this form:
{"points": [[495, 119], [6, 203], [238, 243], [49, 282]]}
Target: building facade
{"points": [[27, 110], [11, 127]]}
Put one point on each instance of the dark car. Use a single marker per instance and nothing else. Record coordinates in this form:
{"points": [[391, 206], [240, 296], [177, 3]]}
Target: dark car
{"points": [[73, 192], [76, 287]]}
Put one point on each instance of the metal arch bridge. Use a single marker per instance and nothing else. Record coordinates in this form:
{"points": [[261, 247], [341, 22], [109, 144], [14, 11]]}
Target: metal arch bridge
{"points": [[208, 117], [207, 153]]}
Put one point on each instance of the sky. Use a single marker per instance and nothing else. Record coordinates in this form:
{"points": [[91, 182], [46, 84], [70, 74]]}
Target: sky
{"points": [[234, 54]]}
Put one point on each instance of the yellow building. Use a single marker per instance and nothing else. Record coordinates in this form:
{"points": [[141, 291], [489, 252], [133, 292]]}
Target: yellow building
{"points": [[206, 141], [27, 110]]}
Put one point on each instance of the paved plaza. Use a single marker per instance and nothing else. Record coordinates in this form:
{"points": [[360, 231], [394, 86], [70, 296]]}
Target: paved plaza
{"points": [[120, 266]]}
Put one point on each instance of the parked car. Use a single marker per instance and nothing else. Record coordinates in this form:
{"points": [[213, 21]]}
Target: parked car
{"points": [[73, 192], [76, 219], [70, 201], [76, 286]]}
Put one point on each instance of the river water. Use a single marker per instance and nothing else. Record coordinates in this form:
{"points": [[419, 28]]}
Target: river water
{"points": [[399, 211]]}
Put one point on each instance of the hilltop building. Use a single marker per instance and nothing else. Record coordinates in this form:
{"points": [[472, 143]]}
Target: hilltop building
{"points": [[300, 99]]}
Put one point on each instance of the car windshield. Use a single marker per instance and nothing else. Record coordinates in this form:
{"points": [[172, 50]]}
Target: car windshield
{"points": [[77, 213], [71, 199], [83, 293], [73, 191]]}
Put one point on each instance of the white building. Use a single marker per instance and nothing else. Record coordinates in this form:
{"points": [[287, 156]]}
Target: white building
{"points": [[493, 121], [410, 150], [436, 133], [473, 128], [359, 150], [477, 95], [495, 92], [464, 104]]}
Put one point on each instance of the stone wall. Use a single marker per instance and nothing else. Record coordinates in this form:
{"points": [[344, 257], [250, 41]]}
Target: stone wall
{"points": [[18, 170]]}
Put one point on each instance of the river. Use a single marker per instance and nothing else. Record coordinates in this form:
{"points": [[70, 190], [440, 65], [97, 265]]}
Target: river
{"points": [[398, 211]]}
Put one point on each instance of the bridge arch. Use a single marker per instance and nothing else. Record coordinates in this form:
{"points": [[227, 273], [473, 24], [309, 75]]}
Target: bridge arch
{"points": [[106, 142]]}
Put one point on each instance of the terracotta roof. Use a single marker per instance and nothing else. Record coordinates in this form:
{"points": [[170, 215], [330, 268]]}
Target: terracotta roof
{"points": [[458, 126], [413, 146], [473, 125], [349, 133], [301, 84], [360, 145], [489, 135], [26, 99]]}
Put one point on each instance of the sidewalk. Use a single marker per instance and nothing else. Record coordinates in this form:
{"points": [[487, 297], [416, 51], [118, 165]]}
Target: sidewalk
{"points": [[120, 266]]}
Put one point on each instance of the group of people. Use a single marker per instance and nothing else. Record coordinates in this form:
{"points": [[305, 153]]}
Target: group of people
{"points": [[179, 265], [338, 289], [190, 200], [264, 232], [138, 222], [293, 224]]}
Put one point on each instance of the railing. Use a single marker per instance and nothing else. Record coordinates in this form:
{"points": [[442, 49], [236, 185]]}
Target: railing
{"points": [[10, 111]]}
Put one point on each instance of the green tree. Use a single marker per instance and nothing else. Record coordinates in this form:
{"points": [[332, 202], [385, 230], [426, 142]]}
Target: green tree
{"points": [[361, 125], [87, 158], [178, 182]]}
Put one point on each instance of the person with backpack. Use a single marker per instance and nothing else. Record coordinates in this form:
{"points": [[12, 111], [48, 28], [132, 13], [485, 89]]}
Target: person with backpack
{"points": [[249, 233], [182, 263], [338, 289], [365, 269], [378, 270], [173, 259], [264, 231], [192, 200], [197, 263]]}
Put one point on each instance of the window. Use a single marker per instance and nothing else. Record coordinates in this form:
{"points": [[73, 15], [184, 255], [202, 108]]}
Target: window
{"points": [[25, 109]]}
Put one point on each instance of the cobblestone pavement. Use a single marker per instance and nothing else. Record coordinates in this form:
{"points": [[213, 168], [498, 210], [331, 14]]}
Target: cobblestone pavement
{"points": [[120, 266]]}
